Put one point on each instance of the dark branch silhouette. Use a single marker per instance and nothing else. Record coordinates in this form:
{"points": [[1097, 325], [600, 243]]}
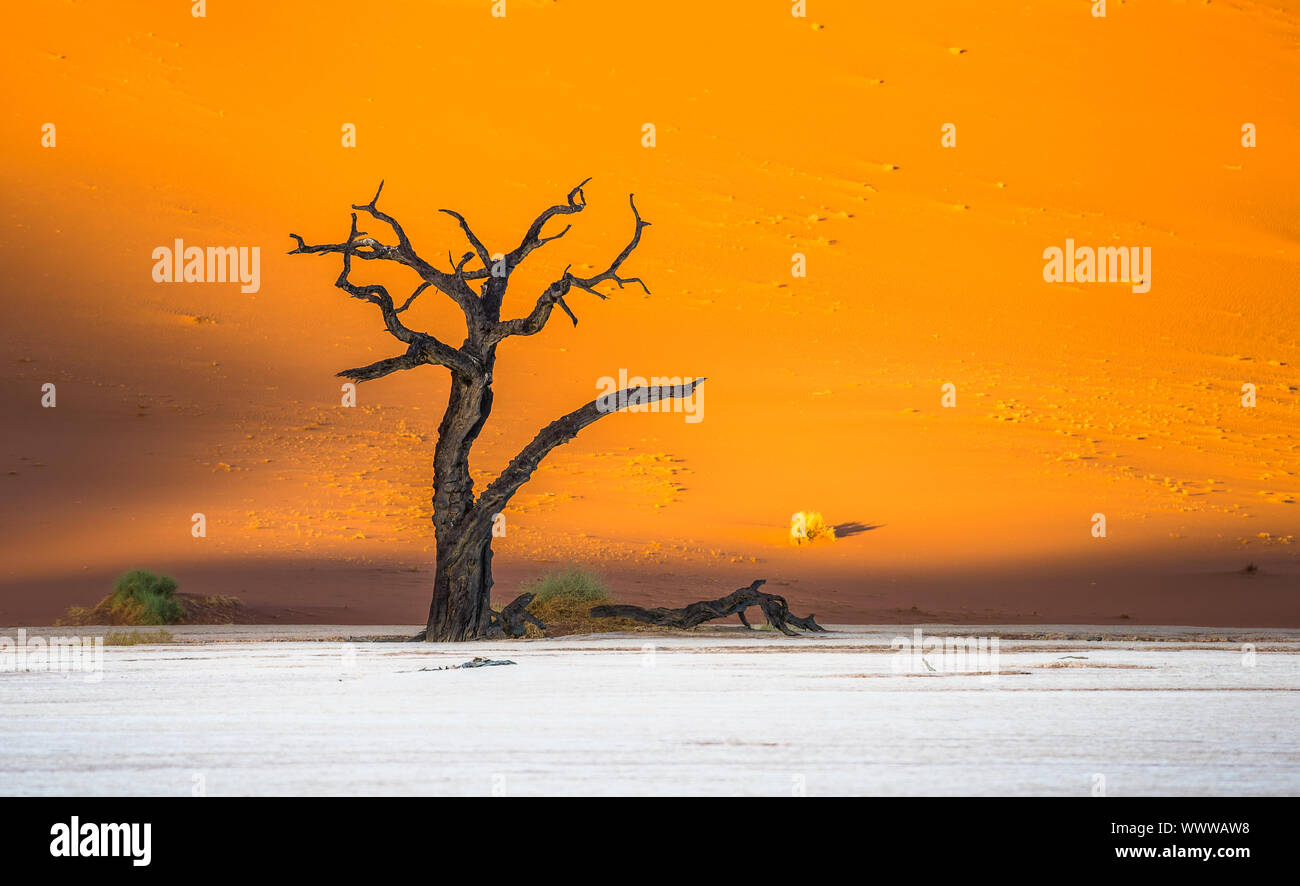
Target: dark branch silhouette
{"points": [[735, 603]]}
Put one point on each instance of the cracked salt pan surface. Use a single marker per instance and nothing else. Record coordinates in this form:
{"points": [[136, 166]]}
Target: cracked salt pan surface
{"points": [[714, 713]]}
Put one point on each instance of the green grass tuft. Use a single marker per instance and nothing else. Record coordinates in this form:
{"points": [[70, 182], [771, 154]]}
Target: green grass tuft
{"points": [[573, 583], [141, 598]]}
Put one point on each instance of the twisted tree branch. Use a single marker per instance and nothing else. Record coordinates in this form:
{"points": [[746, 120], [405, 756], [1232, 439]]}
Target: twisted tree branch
{"points": [[575, 202], [514, 618], [611, 273], [479, 248], [562, 430], [365, 247], [735, 603], [381, 368], [421, 346], [554, 294]]}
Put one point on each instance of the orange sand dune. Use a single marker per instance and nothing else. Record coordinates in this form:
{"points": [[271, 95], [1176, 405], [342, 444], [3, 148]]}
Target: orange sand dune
{"points": [[775, 135]]}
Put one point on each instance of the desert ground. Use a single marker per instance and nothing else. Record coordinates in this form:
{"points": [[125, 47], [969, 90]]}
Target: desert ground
{"points": [[775, 135], [299, 710]]}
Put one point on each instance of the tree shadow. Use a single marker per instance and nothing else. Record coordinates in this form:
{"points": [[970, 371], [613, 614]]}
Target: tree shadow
{"points": [[853, 527]]}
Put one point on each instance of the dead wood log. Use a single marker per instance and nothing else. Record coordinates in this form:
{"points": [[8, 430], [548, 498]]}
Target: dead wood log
{"points": [[735, 603], [477, 661], [514, 618]]}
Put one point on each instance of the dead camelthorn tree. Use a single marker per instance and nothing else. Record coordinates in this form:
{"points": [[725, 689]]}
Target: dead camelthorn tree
{"points": [[477, 284]]}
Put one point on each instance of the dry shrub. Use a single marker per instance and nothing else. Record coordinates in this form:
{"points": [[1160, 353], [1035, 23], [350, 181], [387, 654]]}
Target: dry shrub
{"points": [[136, 638], [139, 598], [810, 526], [565, 599], [142, 598]]}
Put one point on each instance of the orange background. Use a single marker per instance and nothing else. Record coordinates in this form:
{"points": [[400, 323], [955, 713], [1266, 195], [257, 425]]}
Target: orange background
{"points": [[775, 135]]}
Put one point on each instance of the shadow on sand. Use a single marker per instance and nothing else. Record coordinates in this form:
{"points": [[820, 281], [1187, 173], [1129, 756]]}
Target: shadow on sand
{"points": [[853, 527]]}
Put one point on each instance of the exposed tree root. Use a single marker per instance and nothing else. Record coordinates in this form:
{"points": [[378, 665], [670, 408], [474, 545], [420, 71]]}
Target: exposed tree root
{"points": [[511, 621], [735, 603]]}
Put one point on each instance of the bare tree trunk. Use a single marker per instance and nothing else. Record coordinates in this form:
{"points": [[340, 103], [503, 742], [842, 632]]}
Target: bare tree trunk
{"points": [[462, 589], [462, 584]]}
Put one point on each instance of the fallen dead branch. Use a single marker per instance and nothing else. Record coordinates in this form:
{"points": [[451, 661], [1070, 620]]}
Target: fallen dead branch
{"points": [[774, 608], [513, 618], [477, 661]]}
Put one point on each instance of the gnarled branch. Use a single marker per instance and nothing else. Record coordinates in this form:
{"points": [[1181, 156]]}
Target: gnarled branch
{"points": [[494, 290], [554, 294], [611, 273], [373, 293], [514, 618], [562, 430], [575, 202], [735, 603], [479, 249], [421, 346], [363, 246], [380, 368]]}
